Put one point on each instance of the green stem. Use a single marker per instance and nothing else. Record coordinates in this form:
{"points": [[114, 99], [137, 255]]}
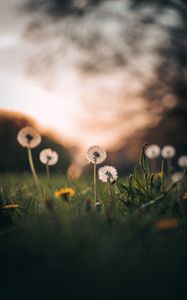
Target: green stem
{"points": [[110, 208], [169, 166], [95, 182], [33, 170], [47, 171], [110, 192]]}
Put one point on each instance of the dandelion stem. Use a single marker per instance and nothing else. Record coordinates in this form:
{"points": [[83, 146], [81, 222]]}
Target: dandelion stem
{"points": [[95, 182], [169, 167], [33, 170], [110, 192], [47, 171]]}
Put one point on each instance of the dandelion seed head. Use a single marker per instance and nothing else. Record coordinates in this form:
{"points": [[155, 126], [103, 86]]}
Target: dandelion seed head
{"points": [[182, 161], [48, 157], [28, 137], [168, 151], [96, 154], [152, 151], [176, 177], [108, 174]]}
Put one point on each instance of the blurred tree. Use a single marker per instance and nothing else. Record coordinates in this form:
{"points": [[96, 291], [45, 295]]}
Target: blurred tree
{"points": [[13, 157], [167, 89]]}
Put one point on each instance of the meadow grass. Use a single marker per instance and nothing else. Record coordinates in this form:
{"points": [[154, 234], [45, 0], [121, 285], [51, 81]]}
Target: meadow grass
{"points": [[75, 249]]}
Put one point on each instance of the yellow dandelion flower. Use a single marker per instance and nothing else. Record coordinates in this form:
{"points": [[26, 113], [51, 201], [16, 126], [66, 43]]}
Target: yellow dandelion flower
{"points": [[166, 223], [64, 192], [160, 174], [11, 206]]}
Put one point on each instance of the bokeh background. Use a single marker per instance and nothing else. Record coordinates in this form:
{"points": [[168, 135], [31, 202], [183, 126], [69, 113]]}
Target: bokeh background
{"points": [[89, 72]]}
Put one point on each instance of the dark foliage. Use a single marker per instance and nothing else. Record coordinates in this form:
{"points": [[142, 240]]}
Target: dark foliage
{"points": [[13, 157]]}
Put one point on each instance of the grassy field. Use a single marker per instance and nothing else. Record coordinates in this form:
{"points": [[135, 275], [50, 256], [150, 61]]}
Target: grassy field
{"points": [[134, 247]]}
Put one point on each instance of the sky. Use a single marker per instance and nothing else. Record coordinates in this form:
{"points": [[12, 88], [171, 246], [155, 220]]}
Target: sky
{"points": [[83, 77]]}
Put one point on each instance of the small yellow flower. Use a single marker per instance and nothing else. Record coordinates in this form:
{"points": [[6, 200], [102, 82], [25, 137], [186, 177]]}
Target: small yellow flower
{"points": [[160, 174], [64, 192], [166, 223], [11, 206], [184, 197]]}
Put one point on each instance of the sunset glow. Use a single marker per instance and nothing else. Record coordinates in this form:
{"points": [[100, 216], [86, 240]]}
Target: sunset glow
{"points": [[88, 92]]}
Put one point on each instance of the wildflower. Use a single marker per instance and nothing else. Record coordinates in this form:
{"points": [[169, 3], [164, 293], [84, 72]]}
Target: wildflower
{"points": [[176, 177], [166, 223], [160, 174], [48, 157], [152, 151], [168, 151], [11, 206], [65, 193], [28, 137], [96, 155], [182, 161], [108, 174]]}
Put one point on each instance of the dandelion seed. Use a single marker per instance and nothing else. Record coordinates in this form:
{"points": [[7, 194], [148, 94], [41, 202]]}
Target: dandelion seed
{"points": [[182, 161], [152, 151], [168, 151], [176, 177], [108, 174], [96, 155], [65, 193], [28, 137]]}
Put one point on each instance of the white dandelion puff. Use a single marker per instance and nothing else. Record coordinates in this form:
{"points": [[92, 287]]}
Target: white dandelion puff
{"points": [[168, 151], [48, 157], [96, 155], [152, 151], [28, 137], [176, 177], [108, 174], [182, 161]]}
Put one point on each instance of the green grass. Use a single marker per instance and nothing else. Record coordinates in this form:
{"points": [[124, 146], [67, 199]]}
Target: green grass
{"points": [[75, 250]]}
